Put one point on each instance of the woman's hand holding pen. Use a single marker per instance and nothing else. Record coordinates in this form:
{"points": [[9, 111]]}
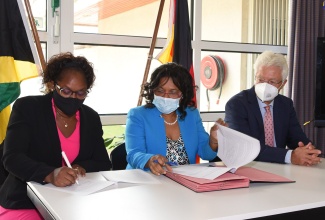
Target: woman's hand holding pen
{"points": [[81, 171], [62, 176], [157, 163]]}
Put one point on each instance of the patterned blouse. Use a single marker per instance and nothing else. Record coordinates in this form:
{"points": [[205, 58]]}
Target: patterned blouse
{"points": [[176, 151]]}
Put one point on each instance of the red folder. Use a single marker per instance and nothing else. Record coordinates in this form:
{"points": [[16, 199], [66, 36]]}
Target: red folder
{"points": [[241, 178], [256, 175], [225, 181]]}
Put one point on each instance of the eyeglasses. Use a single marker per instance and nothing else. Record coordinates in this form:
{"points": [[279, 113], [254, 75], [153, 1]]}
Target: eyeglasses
{"points": [[66, 92], [174, 94], [272, 82]]}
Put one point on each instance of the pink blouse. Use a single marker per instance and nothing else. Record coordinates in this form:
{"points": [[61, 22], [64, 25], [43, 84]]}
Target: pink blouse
{"points": [[70, 145]]}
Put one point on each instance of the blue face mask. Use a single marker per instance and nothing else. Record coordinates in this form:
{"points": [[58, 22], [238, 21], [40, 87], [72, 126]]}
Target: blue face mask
{"points": [[165, 105]]}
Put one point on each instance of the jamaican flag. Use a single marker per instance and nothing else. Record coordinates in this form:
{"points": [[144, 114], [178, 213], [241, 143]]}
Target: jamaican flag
{"points": [[16, 58]]}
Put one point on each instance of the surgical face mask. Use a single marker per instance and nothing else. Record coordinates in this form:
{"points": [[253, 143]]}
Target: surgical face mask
{"points": [[165, 105], [266, 92], [68, 106]]}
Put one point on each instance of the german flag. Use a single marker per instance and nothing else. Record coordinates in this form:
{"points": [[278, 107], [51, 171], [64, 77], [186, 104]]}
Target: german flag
{"points": [[16, 58], [178, 48]]}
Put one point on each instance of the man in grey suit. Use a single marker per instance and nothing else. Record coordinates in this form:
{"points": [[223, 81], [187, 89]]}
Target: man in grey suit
{"points": [[285, 141]]}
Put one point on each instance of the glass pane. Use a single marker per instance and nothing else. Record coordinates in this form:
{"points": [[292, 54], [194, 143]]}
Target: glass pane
{"points": [[245, 21], [33, 86], [121, 17], [119, 74], [39, 13], [113, 136], [238, 75]]}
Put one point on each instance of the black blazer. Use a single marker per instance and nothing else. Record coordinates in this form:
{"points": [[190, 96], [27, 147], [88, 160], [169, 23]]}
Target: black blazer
{"points": [[243, 114], [32, 147]]}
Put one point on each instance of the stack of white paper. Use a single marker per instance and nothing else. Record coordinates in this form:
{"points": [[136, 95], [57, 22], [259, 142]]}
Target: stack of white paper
{"points": [[235, 149]]}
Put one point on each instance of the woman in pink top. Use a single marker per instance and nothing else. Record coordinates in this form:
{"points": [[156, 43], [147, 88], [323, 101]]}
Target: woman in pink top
{"points": [[41, 127]]}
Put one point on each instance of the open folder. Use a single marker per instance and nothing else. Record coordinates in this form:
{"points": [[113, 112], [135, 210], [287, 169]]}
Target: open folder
{"points": [[235, 150], [225, 181], [241, 178]]}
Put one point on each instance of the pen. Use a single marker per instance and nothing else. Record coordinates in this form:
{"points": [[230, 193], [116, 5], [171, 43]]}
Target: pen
{"points": [[67, 162], [168, 162]]}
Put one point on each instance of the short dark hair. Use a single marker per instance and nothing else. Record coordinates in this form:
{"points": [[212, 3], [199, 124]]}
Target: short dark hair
{"points": [[60, 62], [182, 79]]}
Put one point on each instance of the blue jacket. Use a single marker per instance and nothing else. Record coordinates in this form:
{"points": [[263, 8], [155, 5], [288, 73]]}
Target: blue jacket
{"points": [[243, 114], [145, 136]]}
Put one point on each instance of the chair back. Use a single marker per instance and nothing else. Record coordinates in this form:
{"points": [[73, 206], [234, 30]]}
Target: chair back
{"points": [[118, 157]]}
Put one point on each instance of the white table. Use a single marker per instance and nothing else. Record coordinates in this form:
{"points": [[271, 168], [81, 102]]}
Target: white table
{"points": [[171, 200]]}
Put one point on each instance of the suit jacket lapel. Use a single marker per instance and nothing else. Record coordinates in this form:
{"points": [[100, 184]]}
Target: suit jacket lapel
{"points": [[254, 107], [277, 118], [49, 121]]}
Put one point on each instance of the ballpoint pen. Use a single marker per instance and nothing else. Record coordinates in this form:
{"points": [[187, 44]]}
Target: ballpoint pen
{"points": [[67, 162], [170, 163]]}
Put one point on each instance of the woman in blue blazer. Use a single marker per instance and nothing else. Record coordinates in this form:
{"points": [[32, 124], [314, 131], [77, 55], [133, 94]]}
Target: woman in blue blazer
{"points": [[168, 128]]}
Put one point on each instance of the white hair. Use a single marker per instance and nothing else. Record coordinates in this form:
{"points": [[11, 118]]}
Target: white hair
{"points": [[268, 58]]}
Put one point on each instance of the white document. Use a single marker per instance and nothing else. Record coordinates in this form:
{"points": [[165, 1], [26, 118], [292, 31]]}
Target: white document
{"points": [[91, 183], [236, 149], [200, 171], [130, 176]]}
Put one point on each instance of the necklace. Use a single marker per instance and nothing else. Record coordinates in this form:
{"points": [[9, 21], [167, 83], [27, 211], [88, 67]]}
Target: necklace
{"points": [[170, 123], [65, 123]]}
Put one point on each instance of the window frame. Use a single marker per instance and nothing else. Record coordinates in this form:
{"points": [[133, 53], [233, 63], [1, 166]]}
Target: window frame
{"points": [[68, 38]]}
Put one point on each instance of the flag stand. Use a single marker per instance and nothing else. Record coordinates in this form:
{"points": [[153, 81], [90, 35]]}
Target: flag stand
{"points": [[152, 46], [35, 34]]}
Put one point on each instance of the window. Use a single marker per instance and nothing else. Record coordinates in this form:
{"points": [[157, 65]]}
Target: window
{"points": [[246, 21], [116, 36], [123, 17]]}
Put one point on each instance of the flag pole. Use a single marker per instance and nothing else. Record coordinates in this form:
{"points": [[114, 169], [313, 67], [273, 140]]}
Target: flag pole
{"points": [[35, 34], [152, 47]]}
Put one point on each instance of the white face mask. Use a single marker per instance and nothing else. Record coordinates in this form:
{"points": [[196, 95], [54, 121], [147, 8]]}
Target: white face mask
{"points": [[165, 105], [266, 92]]}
